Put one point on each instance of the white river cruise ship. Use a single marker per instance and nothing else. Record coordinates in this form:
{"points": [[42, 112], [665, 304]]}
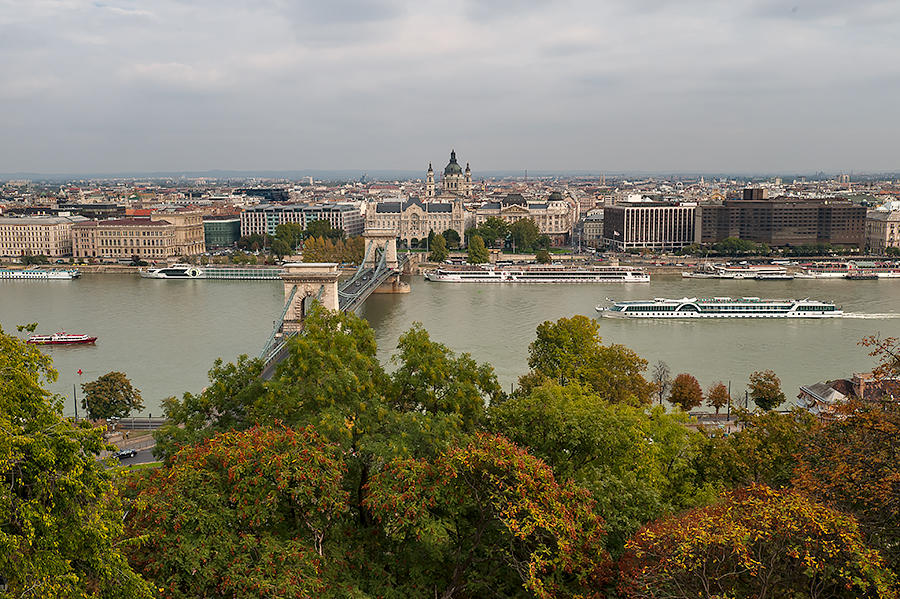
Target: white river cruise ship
{"points": [[722, 307], [600, 274]]}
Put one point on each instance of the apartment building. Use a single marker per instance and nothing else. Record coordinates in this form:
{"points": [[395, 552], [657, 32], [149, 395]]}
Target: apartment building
{"points": [[263, 219], [555, 217]]}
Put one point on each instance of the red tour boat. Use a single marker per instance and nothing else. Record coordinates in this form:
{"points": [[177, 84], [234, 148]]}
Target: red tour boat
{"points": [[60, 339]]}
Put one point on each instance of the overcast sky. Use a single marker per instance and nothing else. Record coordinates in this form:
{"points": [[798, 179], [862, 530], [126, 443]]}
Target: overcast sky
{"points": [[599, 85]]}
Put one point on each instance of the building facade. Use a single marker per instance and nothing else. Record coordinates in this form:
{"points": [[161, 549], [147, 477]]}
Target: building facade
{"points": [[265, 218], [122, 239], [221, 232], [555, 217], [49, 236], [415, 219], [785, 221], [882, 230], [650, 226], [190, 238]]}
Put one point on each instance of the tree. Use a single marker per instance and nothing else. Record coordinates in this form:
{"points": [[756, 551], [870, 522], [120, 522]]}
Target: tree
{"points": [[253, 242], [431, 379], [60, 515], [763, 450], [225, 404], [638, 466], [662, 379], [291, 234], [543, 257], [492, 230], [765, 390], [524, 233], [110, 396], [570, 351], [851, 464], [754, 542], [542, 242], [280, 248], [451, 236], [717, 396], [478, 253], [322, 228], [28, 259], [245, 514], [439, 251], [488, 519], [686, 392]]}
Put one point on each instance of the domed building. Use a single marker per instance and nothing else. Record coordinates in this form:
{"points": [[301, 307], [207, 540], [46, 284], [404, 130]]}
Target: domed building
{"points": [[455, 183]]}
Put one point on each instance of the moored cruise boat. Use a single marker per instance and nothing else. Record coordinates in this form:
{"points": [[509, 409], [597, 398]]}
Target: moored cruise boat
{"points": [[176, 271], [600, 274], [758, 273], [721, 307], [60, 339], [825, 270], [39, 273]]}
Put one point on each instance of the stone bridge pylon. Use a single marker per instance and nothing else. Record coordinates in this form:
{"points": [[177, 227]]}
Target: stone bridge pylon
{"points": [[384, 240], [312, 280]]}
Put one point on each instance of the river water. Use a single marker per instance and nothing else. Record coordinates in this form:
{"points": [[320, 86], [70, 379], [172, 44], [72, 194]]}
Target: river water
{"points": [[165, 335]]}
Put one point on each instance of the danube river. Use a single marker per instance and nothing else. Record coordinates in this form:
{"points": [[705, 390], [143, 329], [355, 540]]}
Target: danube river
{"points": [[165, 335]]}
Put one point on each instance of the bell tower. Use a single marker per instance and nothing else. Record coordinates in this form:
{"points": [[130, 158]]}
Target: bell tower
{"points": [[467, 189], [429, 182]]}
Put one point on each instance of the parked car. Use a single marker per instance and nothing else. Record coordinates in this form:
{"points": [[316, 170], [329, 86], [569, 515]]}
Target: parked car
{"points": [[125, 453]]}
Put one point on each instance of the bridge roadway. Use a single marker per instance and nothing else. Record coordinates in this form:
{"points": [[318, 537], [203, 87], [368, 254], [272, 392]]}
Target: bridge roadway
{"points": [[351, 294]]}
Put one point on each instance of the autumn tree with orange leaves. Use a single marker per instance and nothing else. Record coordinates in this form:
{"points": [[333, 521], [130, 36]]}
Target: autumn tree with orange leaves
{"points": [[488, 519], [754, 542], [853, 464], [244, 514]]}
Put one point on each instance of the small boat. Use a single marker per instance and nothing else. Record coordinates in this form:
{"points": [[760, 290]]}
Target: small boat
{"points": [[61, 338]]}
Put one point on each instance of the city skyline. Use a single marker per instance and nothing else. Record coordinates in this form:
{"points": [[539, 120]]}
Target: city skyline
{"points": [[642, 87]]}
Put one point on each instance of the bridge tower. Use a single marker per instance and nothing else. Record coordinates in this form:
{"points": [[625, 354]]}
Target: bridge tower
{"points": [[304, 282], [384, 240]]}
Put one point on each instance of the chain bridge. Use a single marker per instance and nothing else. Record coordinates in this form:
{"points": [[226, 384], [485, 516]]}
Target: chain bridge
{"points": [[308, 282]]}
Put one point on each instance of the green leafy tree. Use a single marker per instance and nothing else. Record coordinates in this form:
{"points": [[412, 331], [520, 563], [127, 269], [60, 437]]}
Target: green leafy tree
{"points": [[765, 390], [543, 257], [29, 259], [524, 233], [478, 253], [763, 449], [439, 251], [451, 236], [754, 542], [686, 392], [60, 515], [322, 228], [280, 248], [430, 379], [717, 396], [637, 465], [290, 233], [542, 242], [110, 396], [225, 404], [570, 351], [245, 514], [485, 520], [492, 230]]}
